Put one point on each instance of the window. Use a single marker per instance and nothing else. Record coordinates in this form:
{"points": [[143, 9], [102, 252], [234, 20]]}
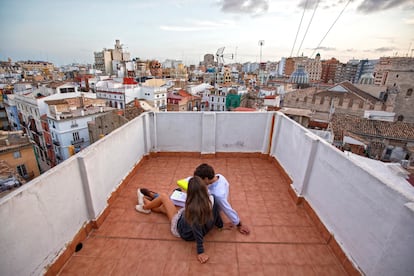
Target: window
{"points": [[75, 136], [21, 169], [409, 92], [17, 154]]}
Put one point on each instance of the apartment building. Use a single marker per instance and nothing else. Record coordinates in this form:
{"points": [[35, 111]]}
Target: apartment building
{"points": [[314, 68], [68, 123], [347, 71], [107, 60], [17, 151], [117, 92], [154, 91], [329, 70], [224, 76]]}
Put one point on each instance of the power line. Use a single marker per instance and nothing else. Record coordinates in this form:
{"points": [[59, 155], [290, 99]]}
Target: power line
{"points": [[306, 32], [300, 23], [330, 28]]}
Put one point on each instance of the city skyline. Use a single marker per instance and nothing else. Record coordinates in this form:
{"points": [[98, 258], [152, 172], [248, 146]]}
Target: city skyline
{"points": [[64, 32]]}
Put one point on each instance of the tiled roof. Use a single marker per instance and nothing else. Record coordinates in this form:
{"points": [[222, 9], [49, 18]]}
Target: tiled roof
{"points": [[353, 89], [342, 123], [352, 92]]}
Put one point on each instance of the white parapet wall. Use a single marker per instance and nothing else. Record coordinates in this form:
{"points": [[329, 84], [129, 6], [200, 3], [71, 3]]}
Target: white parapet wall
{"points": [[369, 215], [211, 132], [371, 220], [40, 218]]}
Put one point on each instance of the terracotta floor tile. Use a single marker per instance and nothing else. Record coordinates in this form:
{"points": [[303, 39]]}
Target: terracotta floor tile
{"points": [[221, 253], [77, 265], [321, 255], [150, 267], [113, 248], [302, 270], [248, 254], [102, 266], [91, 247], [295, 255], [328, 270], [228, 269], [196, 268], [248, 269], [276, 254], [275, 269], [176, 267], [126, 266], [284, 234], [283, 239], [265, 234], [267, 253], [307, 235]]}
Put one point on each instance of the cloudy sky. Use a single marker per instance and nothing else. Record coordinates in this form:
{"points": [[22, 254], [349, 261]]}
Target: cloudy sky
{"points": [[66, 31]]}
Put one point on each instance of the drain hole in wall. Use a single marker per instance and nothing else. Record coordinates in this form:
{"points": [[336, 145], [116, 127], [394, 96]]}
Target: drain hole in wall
{"points": [[78, 247]]}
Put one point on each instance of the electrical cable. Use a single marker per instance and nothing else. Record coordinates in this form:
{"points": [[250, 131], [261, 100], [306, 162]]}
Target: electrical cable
{"points": [[300, 23], [306, 32], [330, 28]]}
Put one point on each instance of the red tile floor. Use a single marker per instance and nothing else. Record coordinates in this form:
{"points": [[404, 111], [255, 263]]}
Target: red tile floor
{"points": [[283, 239]]}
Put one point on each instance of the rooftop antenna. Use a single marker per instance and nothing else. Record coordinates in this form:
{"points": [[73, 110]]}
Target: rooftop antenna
{"points": [[261, 43], [220, 56]]}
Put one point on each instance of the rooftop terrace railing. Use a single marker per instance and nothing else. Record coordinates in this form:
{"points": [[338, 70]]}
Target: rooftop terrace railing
{"points": [[366, 214]]}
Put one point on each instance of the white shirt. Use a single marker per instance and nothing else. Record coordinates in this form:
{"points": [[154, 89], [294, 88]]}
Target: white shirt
{"points": [[220, 189]]}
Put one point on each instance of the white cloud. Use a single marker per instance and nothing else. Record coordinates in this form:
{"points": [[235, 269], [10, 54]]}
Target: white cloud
{"points": [[409, 21]]}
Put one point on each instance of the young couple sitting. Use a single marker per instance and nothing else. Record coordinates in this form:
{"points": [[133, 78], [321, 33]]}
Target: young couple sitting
{"points": [[207, 195]]}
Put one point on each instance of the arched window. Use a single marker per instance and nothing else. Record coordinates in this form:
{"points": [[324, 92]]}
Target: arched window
{"points": [[400, 118], [409, 92]]}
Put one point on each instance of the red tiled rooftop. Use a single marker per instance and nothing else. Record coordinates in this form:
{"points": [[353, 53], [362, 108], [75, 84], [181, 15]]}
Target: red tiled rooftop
{"points": [[284, 239]]}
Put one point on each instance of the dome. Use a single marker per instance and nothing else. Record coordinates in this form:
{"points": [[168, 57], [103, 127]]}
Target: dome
{"points": [[300, 76], [367, 78]]}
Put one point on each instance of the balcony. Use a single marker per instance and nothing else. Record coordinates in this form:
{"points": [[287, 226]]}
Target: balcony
{"points": [[312, 209], [78, 141]]}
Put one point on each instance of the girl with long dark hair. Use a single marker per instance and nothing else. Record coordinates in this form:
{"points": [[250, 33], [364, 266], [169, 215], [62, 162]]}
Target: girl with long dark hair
{"points": [[192, 222]]}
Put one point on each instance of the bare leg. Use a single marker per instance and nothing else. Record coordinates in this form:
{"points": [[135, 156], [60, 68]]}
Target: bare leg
{"points": [[160, 209], [165, 201]]}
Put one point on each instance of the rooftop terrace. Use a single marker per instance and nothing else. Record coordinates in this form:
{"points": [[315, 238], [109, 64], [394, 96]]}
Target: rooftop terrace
{"points": [[311, 209]]}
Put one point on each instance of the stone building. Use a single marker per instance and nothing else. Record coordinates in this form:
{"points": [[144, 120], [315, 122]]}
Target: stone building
{"points": [[341, 98], [400, 83], [108, 59]]}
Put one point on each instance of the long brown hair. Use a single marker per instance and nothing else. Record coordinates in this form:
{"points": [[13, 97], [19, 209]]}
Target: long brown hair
{"points": [[198, 209]]}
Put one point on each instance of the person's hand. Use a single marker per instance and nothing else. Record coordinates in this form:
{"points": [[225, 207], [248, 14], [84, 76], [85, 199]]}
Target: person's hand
{"points": [[202, 258], [243, 229]]}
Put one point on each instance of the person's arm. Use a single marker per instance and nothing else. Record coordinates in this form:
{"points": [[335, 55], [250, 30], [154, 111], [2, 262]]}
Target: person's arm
{"points": [[199, 238], [226, 208]]}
